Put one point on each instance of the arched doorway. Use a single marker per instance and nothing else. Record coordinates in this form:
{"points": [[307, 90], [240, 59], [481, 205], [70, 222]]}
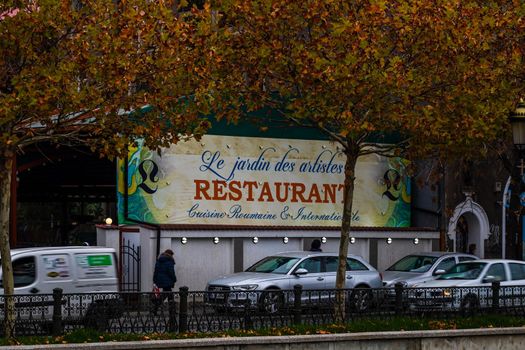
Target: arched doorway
{"points": [[469, 227], [462, 235]]}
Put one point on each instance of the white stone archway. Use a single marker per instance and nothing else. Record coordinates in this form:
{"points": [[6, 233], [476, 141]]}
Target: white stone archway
{"points": [[478, 224]]}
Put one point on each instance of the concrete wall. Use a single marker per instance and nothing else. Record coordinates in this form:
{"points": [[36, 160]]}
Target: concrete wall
{"points": [[470, 339], [199, 259]]}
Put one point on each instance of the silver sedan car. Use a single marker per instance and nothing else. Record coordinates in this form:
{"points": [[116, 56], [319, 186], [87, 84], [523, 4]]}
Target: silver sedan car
{"points": [[467, 286], [421, 267], [267, 284]]}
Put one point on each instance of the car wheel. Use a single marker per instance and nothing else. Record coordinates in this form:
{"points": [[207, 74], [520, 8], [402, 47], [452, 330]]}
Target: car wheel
{"points": [[272, 301], [469, 305], [361, 299]]}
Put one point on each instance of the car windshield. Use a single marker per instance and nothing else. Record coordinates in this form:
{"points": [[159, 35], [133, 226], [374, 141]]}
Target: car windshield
{"points": [[414, 263], [464, 271], [274, 264]]}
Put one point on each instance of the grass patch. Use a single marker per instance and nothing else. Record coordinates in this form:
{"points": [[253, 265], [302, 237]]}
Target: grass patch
{"points": [[363, 325]]}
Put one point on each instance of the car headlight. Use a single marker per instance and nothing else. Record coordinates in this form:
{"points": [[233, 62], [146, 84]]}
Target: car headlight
{"points": [[245, 287], [447, 293], [404, 284]]}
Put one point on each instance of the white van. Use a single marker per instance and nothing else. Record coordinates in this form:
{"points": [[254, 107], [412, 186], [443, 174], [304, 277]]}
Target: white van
{"points": [[82, 269], [76, 270]]}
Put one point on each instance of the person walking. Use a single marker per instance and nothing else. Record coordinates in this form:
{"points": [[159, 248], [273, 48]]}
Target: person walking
{"points": [[316, 246], [164, 275]]}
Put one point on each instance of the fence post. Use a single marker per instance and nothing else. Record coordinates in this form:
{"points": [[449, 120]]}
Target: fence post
{"points": [[495, 295], [183, 309], [248, 324], [297, 293], [172, 313], [399, 297], [57, 312]]}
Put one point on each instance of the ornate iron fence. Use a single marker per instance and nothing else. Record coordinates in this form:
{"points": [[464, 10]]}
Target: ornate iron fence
{"points": [[223, 309]]}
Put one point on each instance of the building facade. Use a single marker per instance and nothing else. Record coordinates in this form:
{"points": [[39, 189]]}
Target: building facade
{"points": [[235, 196], [231, 198]]}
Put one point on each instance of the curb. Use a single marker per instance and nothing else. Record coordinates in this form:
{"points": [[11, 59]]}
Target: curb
{"points": [[268, 340]]}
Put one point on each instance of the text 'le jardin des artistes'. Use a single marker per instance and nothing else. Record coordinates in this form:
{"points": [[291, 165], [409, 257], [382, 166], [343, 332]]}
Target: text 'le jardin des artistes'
{"points": [[227, 188]]}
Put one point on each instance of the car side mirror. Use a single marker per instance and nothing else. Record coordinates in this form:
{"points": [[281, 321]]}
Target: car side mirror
{"points": [[300, 272], [489, 279], [439, 272]]}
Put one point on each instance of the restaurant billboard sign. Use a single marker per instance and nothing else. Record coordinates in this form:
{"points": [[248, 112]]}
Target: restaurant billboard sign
{"points": [[254, 181]]}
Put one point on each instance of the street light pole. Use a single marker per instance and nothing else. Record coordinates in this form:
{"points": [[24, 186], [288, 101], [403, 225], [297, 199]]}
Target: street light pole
{"points": [[517, 121], [504, 203]]}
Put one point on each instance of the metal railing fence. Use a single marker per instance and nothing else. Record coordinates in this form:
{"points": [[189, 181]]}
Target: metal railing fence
{"points": [[223, 309]]}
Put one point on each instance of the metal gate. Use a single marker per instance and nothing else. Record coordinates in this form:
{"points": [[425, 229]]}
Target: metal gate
{"points": [[129, 267]]}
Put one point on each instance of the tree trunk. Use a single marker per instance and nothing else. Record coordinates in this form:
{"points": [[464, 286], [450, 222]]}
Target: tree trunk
{"points": [[340, 282], [6, 168]]}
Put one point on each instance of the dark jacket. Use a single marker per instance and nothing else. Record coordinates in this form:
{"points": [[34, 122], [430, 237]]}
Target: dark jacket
{"points": [[164, 274]]}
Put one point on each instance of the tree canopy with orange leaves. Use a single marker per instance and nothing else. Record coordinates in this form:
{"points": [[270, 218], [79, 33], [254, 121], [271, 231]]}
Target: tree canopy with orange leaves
{"points": [[433, 73], [79, 72]]}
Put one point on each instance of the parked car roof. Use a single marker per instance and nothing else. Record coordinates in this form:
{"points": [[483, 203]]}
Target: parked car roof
{"points": [[302, 254], [17, 251], [439, 253], [494, 261]]}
